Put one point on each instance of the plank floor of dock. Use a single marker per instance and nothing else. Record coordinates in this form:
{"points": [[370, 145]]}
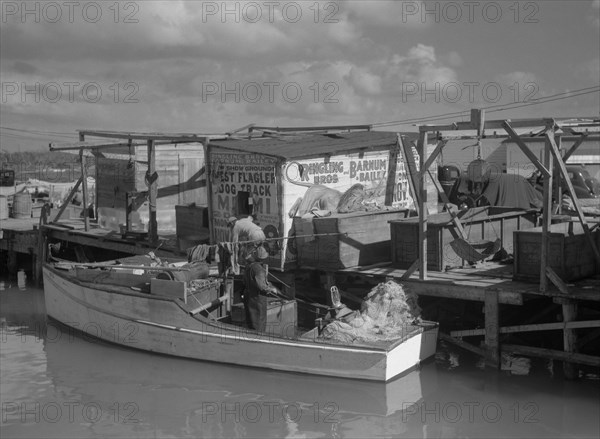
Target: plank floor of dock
{"points": [[460, 283], [472, 283]]}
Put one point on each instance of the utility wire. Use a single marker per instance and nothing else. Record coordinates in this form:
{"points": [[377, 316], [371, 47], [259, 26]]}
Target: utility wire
{"points": [[495, 108]]}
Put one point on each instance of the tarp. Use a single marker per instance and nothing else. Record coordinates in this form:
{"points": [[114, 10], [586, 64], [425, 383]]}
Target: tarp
{"points": [[506, 190], [512, 191]]}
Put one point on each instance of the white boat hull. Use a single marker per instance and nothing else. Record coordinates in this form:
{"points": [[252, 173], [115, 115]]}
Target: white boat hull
{"points": [[157, 324]]}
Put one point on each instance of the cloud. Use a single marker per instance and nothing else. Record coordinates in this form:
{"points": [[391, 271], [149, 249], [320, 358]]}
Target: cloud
{"points": [[520, 78], [24, 68], [594, 16], [419, 65], [388, 13]]}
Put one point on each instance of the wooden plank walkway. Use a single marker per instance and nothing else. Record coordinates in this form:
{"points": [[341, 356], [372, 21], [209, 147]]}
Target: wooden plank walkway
{"points": [[73, 231], [472, 284]]}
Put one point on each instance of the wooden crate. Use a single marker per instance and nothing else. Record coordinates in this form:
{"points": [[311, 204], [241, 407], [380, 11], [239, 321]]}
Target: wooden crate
{"points": [[282, 316], [190, 220], [211, 290], [480, 223], [570, 254], [367, 241]]}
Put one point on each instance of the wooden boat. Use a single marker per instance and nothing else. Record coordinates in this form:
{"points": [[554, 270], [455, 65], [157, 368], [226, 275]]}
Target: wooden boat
{"points": [[114, 309]]}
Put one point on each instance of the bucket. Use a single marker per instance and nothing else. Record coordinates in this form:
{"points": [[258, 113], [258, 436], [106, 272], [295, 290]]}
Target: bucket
{"points": [[3, 207], [22, 205]]}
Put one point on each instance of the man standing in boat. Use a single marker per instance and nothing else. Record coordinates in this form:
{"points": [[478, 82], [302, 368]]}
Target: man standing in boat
{"points": [[257, 289]]}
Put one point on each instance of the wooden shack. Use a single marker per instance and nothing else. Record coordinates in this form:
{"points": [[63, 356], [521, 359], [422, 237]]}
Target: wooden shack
{"points": [[272, 178], [122, 184]]}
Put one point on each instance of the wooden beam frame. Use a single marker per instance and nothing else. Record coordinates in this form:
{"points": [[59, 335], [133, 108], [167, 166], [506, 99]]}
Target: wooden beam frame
{"points": [[530, 155], [554, 326], [67, 201], [411, 168], [574, 147], [547, 210], [75, 146], [313, 128], [174, 137], [565, 175], [151, 181], [422, 150], [440, 145], [517, 123], [446, 201], [84, 186]]}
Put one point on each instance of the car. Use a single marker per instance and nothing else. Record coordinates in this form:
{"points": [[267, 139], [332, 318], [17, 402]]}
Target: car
{"points": [[584, 185]]}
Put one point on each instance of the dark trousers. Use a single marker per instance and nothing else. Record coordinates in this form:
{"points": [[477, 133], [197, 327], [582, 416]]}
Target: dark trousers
{"points": [[256, 312]]}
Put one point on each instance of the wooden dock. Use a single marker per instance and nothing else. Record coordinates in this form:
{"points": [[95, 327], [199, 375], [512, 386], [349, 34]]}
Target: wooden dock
{"points": [[19, 236], [474, 283], [24, 237], [492, 284]]}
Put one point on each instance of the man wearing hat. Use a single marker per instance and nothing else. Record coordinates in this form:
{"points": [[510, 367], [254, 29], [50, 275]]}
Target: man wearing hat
{"points": [[245, 230], [257, 289]]}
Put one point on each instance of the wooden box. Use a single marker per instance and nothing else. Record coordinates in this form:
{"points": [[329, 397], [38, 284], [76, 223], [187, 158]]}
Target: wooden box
{"points": [[489, 223], [189, 220], [357, 239], [282, 316], [570, 254], [209, 291]]}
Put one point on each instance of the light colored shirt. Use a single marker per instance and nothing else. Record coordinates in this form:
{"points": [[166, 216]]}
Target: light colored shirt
{"points": [[245, 230]]}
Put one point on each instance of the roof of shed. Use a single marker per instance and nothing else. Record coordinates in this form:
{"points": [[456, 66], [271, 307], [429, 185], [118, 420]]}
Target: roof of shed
{"points": [[313, 145]]}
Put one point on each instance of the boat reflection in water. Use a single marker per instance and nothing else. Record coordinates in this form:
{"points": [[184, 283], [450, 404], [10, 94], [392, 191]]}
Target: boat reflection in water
{"points": [[57, 383], [182, 397]]}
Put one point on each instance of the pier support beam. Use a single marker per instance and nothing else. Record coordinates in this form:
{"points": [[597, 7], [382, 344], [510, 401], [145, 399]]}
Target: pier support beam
{"points": [[569, 310], [492, 329], [422, 199], [84, 186], [151, 181]]}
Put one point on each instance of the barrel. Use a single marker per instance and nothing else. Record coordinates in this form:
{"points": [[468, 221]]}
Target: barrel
{"points": [[22, 205], [3, 207]]}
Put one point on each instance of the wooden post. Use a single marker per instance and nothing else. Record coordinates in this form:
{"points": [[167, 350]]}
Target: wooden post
{"points": [[68, 200], [557, 190], [565, 176], [82, 160], [152, 183], [569, 311], [41, 256], [209, 190], [547, 210], [228, 292], [492, 342], [411, 168], [390, 186], [422, 190]]}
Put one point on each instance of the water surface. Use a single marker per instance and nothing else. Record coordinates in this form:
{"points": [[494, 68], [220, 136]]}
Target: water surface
{"points": [[58, 383]]}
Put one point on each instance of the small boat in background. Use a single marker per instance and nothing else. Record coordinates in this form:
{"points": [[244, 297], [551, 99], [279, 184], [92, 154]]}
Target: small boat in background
{"points": [[130, 306]]}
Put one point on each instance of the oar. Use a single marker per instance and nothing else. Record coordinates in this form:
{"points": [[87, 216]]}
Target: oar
{"points": [[133, 267], [206, 306]]}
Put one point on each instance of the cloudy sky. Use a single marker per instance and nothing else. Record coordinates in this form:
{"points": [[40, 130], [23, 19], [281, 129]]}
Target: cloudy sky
{"points": [[209, 67]]}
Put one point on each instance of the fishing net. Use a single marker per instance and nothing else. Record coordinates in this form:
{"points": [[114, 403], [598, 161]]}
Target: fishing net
{"points": [[386, 313]]}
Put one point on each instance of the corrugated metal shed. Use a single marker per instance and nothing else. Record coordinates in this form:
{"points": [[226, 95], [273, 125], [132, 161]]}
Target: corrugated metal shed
{"points": [[313, 145]]}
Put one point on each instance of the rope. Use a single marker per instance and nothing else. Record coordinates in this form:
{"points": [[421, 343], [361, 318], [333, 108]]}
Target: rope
{"points": [[283, 237]]}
